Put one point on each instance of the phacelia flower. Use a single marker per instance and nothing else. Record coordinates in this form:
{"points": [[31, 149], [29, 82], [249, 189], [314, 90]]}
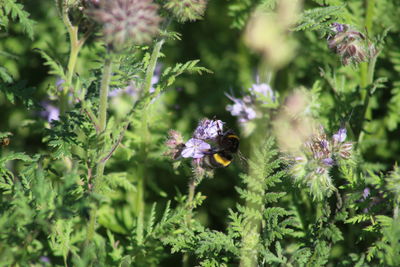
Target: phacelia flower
{"points": [[242, 108], [264, 92], [203, 143], [352, 46], [318, 155], [341, 148], [175, 144], [127, 21], [340, 136], [249, 107], [50, 112], [195, 148], [208, 129], [185, 10]]}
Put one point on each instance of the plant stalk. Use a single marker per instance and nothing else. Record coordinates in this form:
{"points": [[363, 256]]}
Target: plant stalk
{"points": [[102, 119], [367, 69], [189, 203]]}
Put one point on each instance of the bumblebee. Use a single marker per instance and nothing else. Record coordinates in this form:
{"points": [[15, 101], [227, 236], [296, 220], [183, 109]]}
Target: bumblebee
{"points": [[227, 145], [4, 141]]}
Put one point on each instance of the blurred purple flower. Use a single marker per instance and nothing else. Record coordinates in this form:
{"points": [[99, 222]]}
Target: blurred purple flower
{"points": [[328, 162], [366, 192], [264, 90], [241, 109], [340, 136], [337, 27], [208, 129], [195, 148], [59, 84], [156, 78], [130, 90], [50, 111], [44, 259]]}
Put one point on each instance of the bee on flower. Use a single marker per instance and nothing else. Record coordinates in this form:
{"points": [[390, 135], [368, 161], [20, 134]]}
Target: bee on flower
{"points": [[209, 147]]}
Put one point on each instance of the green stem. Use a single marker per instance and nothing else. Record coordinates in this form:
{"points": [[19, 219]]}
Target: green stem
{"points": [[396, 209], [102, 119], [192, 188], [369, 15], [367, 69], [75, 47], [368, 25], [152, 66]]}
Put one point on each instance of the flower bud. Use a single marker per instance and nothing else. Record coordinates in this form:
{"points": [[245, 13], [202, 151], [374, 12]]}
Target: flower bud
{"points": [[185, 10]]}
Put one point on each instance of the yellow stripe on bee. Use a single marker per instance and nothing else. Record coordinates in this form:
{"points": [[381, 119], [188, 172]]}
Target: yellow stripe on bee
{"points": [[221, 160], [233, 136]]}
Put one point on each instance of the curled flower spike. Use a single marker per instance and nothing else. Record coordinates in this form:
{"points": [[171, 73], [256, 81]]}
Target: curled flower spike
{"points": [[320, 154], [195, 148], [341, 148], [264, 92], [127, 21], [352, 46], [249, 106], [208, 129], [175, 144], [242, 108]]}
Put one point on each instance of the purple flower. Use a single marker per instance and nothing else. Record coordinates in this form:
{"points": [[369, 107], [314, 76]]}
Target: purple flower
{"points": [[241, 109], [328, 162], [263, 90], [59, 84], [156, 78], [195, 148], [44, 259], [208, 129], [50, 111], [366, 192], [340, 136], [337, 27]]}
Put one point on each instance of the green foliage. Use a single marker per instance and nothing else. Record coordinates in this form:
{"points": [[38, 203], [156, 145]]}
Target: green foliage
{"points": [[319, 18], [19, 92], [77, 192], [12, 9]]}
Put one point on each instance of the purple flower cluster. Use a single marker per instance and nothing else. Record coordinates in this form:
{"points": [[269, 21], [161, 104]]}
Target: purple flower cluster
{"points": [[351, 45], [245, 108], [319, 154], [198, 147]]}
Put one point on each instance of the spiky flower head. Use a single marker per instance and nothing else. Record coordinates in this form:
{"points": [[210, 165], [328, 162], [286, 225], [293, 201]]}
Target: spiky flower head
{"points": [[185, 10], [208, 129], [351, 45], [127, 21], [319, 153], [175, 144]]}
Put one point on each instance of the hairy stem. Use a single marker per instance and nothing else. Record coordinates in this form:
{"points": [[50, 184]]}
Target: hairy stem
{"points": [[367, 69], [152, 66], [102, 119], [189, 203]]}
